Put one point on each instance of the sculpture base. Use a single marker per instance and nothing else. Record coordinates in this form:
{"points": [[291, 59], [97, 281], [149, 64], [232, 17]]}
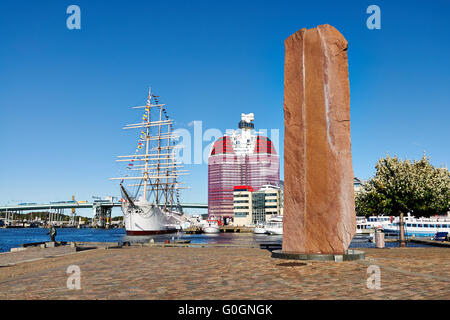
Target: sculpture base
{"points": [[350, 255]]}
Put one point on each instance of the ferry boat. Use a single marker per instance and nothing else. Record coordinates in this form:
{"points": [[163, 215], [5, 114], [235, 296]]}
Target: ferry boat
{"points": [[260, 228], [212, 225], [275, 225], [365, 225], [151, 205], [420, 227]]}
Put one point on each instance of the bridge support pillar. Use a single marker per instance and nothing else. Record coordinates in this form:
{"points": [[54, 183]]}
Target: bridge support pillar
{"points": [[102, 215]]}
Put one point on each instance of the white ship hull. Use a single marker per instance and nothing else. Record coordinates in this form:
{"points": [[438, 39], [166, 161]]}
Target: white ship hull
{"points": [[211, 230], [211, 226], [146, 219], [259, 230], [275, 225], [278, 230], [419, 229]]}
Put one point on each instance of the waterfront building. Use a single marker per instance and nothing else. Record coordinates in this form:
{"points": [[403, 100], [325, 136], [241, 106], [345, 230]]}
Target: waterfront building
{"points": [[240, 158], [253, 207], [357, 184], [243, 205]]}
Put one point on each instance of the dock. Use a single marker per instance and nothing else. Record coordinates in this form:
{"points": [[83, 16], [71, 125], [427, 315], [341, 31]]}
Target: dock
{"points": [[241, 229], [236, 229], [431, 242], [192, 230], [233, 273]]}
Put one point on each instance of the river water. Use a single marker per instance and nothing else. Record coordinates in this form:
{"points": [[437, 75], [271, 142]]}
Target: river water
{"points": [[11, 238]]}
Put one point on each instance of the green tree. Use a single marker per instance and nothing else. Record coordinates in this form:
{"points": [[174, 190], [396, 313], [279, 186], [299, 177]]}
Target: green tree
{"points": [[402, 186]]}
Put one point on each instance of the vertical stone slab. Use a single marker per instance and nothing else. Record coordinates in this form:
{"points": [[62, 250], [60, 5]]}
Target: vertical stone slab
{"points": [[319, 212]]}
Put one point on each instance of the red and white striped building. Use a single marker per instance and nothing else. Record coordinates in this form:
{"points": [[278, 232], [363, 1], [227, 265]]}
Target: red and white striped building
{"points": [[239, 158]]}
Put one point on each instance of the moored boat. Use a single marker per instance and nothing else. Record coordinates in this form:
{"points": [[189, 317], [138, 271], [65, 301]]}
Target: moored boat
{"points": [[260, 228], [152, 204], [212, 225], [367, 225], [275, 225], [420, 227]]}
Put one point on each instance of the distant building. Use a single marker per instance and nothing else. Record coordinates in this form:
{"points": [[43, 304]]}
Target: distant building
{"points": [[240, 158], [252, 207], [357, 184], [243, 205]]}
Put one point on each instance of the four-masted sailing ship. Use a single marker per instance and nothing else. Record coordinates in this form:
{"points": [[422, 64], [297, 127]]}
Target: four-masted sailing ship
{"points": [[151, 201]]}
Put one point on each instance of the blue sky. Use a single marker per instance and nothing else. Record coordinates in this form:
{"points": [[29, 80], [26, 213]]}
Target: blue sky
{"points": [[65, 94]]}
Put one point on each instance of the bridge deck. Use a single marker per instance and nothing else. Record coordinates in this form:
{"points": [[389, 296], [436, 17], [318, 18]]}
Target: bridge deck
{"points": [[69, 205]]}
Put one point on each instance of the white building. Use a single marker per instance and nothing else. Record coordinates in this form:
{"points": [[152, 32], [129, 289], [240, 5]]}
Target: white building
{"points": [[357, 184], [251, 207]]}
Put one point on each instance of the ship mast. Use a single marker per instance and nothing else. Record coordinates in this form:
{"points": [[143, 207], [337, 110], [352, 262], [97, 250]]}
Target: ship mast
{"points": [[158, 164], [147, 136], [166, 189]]}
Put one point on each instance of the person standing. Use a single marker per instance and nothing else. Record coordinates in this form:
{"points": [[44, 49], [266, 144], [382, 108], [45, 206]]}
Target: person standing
{"points": [[52, 233]]}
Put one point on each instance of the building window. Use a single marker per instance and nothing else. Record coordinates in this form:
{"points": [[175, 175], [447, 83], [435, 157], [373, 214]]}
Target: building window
{"points": [[240, 214]]}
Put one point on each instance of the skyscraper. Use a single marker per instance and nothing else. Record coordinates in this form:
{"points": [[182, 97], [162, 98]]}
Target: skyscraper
{"points": [[239, 158]]}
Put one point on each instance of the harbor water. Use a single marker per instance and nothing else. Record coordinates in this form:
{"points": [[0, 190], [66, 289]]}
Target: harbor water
{"points": [[12, 238]]}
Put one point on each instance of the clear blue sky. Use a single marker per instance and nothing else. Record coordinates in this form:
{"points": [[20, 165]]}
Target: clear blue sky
{"points": [[65, 94]]}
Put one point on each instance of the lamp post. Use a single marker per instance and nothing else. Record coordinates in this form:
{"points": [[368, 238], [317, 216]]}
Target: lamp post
{"points": [[402, 231]]}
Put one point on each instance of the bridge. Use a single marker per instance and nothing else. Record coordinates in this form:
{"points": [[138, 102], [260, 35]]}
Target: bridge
{"points": [[101, 209], [80, 205]]}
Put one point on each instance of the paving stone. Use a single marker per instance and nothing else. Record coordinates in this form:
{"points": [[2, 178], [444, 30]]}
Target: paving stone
{"points": [[227, 273]]}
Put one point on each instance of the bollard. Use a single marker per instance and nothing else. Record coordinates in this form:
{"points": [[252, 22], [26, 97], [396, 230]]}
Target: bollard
{"points": [[50, 244], [379, 239]]}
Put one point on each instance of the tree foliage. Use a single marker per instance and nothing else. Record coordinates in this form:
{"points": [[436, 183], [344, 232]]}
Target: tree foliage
{"points": [[405, 186]]}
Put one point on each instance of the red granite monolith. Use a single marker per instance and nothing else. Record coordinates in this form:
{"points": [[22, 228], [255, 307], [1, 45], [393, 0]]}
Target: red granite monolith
{"points": [[319, 207]]}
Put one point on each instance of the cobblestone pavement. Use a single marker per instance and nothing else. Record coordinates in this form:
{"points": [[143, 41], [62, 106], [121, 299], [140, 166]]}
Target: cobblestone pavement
{"points": [[228, 273], [29, 254]]}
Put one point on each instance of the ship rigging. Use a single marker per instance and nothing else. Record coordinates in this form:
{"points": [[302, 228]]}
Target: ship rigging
{"points": [[154, 206]]}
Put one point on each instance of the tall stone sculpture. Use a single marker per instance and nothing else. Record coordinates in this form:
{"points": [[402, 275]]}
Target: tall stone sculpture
{"points": [[319, 209]]}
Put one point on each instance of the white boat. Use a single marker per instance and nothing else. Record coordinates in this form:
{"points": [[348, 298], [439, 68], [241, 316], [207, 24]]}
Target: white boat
{"points": [[260, 228], [365, 225], [275, 225], [211, 226], [152, 205], [420, 227]]}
